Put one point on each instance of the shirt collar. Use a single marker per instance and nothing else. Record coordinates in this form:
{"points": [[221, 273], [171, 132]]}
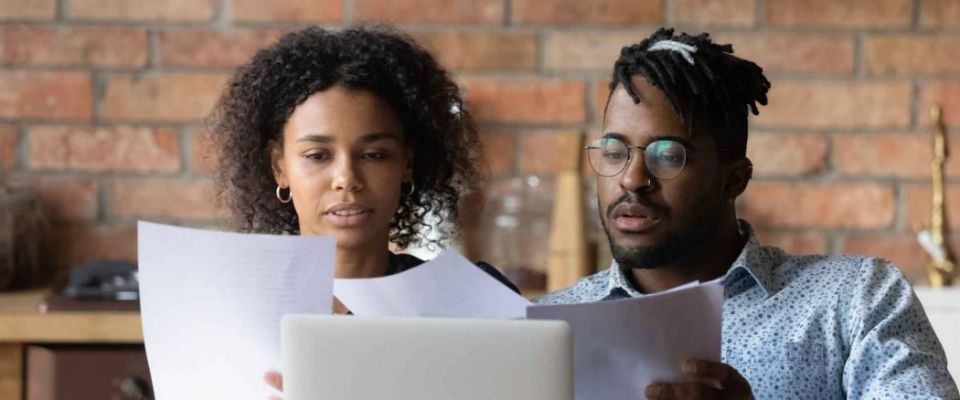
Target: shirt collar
{"points": [[751, 262]]}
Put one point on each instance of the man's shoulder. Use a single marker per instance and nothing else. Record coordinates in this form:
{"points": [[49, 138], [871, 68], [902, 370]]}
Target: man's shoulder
{"points": [[587, 289]]}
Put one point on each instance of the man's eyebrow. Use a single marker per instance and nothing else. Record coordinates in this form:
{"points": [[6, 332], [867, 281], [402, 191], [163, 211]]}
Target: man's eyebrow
{"points": [[623, 138], [679, 139], [615, 135]]}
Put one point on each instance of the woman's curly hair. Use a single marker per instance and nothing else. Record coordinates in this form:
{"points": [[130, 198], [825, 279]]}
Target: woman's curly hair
{"points": [[262, 95]]}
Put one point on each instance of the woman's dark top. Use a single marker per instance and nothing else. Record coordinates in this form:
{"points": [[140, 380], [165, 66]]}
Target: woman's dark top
{"points": [[403, 262]]}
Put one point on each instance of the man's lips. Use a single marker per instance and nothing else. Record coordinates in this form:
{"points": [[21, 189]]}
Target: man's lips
{"points": [[634, 217]]}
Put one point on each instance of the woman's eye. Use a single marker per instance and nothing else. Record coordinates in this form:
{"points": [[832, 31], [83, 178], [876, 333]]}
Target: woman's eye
{"points": [[374, 155], [318, 156]]}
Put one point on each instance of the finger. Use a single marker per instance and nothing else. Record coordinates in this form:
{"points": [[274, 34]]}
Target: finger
{"points": [[274, 379], [668, 391], [728, 377]]}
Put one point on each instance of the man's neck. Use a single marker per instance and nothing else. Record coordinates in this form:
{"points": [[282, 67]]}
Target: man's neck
{"points": [[709, 261]]}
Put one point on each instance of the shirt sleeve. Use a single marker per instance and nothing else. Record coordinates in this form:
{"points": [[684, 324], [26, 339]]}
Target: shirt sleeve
{"points": [[893, 351], [489, 269]]}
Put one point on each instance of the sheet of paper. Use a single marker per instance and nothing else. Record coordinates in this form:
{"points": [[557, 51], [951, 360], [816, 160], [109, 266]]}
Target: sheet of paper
{"points": [[621, 346], [447, 286], [211, 304]]}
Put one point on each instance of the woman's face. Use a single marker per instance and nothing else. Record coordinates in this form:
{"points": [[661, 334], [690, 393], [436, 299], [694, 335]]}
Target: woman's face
{"points": [[344, 159]]}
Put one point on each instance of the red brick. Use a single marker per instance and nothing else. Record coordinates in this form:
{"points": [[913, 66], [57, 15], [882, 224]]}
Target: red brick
{"points": [[203, 48], [794, 52], [9, 141], [185, 97], [74, 244], [430, 11], [846, 14], [498, 151], [104, 149], [907, 54], [837, 105], [203, 158], [28, 9], [901, 249], [540, 151], [288, 10], [849, 205], [164, 198], [526, 101], [920, 201], [67, 45], [904, 155], [740, 13], [945, 93], [587, 50], [795, 242], [939, 13], [787, 154], [45, 95], [482, 51], [588, 12], [66, 198], [601, 92], [142, 10]]}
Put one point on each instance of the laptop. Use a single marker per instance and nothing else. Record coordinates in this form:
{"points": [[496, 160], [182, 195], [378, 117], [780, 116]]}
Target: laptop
{"points": [[343, 357]]}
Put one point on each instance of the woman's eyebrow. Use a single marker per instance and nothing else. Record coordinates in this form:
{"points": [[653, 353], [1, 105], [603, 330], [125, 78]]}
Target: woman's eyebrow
{"points": [[315, 137]]}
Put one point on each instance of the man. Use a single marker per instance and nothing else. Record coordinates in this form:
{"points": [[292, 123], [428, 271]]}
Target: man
{"points": [[670, 165]]}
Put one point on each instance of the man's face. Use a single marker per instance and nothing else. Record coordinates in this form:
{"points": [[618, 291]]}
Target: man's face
{"points": [[651, 221]]}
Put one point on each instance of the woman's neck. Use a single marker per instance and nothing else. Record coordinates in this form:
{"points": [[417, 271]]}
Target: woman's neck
{"points": [[361, 263]]}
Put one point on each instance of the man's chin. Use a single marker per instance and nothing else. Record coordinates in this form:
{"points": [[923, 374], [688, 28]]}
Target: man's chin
{"points": [[646, 255]]}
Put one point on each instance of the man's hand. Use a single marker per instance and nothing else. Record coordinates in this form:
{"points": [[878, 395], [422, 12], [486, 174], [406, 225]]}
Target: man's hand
{"points": [[713, 380], [275, 380]]}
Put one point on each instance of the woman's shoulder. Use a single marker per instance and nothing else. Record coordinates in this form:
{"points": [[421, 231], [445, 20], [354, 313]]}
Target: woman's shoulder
{"points": [[400, 262]]}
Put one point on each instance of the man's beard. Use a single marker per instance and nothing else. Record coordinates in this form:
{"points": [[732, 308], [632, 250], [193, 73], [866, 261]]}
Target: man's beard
{"points": [[678, 244]]}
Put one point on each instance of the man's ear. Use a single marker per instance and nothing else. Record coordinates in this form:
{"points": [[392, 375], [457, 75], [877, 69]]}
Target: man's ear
{"points": [[276, 163], [739, 173]]}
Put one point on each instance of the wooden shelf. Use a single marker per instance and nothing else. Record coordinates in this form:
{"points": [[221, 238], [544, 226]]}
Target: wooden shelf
{"points": [[21, 322]]}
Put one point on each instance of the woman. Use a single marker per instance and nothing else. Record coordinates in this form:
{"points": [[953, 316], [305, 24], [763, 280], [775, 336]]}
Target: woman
{"points": [[356, 134]]}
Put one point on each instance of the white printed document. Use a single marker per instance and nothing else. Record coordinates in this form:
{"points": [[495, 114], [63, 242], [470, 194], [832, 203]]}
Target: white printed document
{"points": [[211, 304], [448, 286], [621, 346]]}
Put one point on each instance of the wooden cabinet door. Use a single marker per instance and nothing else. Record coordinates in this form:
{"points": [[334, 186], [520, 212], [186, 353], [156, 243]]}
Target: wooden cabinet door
{"points": [[82, 372]]}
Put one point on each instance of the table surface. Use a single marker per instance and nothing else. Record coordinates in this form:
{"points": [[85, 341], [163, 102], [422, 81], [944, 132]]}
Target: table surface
{"points": [[22, 322]]}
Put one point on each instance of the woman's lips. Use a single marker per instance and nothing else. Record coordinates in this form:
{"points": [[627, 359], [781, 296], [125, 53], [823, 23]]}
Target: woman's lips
{"points": [[347, 215]]}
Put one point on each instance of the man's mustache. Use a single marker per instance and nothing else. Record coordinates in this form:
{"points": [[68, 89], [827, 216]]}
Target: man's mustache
{"points": [[631, 197]]}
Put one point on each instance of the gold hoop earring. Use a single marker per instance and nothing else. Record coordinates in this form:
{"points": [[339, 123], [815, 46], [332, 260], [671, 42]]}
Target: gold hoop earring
{"points": [[284, 200]]}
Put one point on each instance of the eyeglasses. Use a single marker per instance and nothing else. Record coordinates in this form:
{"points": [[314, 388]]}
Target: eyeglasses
{"points": [[663, 158]]}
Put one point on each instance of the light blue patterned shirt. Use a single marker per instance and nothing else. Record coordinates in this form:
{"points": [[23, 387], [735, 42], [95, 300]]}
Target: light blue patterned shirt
{"points": [[813, 327]]}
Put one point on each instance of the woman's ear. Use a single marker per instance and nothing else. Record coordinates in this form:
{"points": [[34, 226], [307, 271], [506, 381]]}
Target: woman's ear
{"points": [[276, 163], [739, 173], [408, 173]]}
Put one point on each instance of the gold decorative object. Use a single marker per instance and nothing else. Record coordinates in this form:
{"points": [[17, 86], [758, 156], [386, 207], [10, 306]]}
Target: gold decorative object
{"points": [[941, 269]]}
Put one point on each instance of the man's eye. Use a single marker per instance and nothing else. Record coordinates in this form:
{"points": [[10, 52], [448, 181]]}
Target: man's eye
{"points": [[614, 155], [672, 158]]}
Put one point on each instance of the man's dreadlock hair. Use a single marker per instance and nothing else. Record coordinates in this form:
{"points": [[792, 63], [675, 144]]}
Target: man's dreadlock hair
{"points": [[711, 94]]}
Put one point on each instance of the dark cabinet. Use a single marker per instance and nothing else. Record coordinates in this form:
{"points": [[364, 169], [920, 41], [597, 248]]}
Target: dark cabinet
{"points": [[87, 372]]}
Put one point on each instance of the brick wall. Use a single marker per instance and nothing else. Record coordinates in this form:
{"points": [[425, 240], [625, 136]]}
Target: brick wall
{"points": [[100, 101]]}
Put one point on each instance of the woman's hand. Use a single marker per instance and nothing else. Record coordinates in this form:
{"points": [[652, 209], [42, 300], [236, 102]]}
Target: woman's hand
{"points": [[275, 380]]}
